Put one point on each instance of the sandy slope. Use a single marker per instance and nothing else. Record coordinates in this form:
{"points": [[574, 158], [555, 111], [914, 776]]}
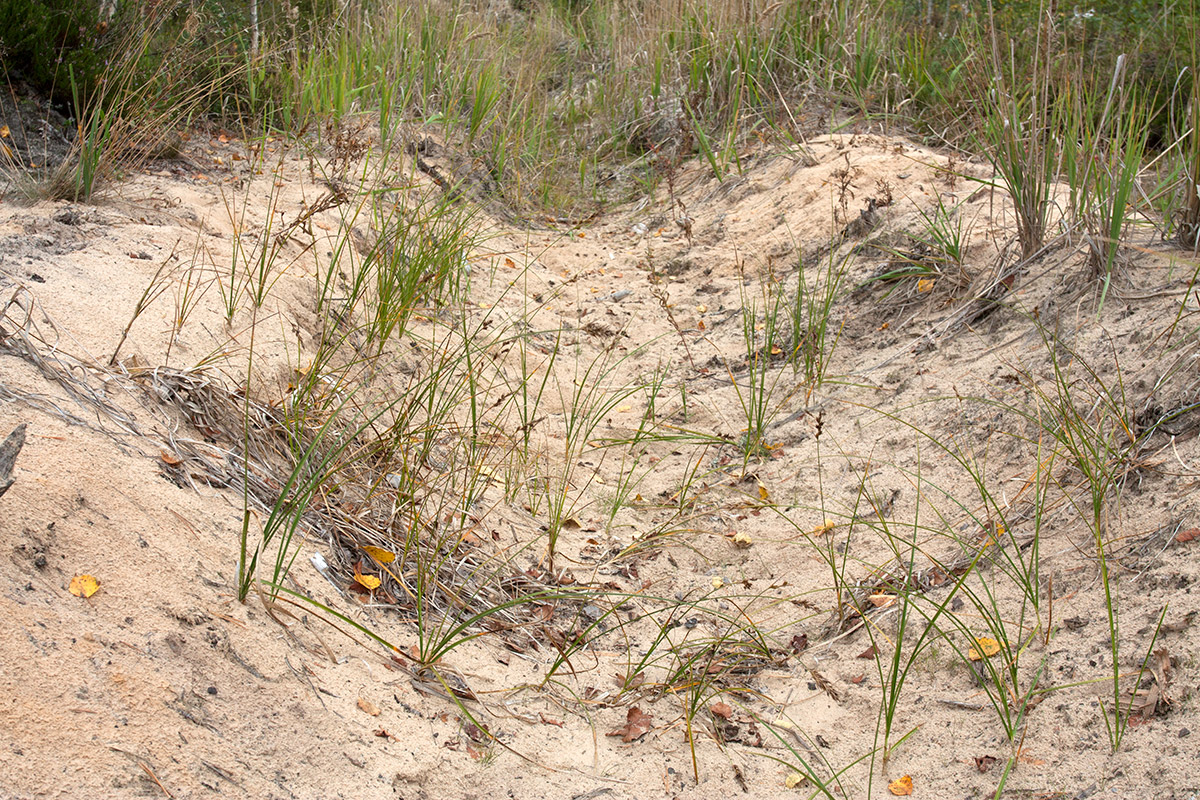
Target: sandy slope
{"points": [[162, 684]]}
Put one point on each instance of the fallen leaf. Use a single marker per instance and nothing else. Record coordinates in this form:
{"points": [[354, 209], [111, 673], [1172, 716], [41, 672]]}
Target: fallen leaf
{"points": [[4, 132], [84, 585], [475, 733], [631, 682], [717, 583], [369, 582], [379, 554], [571, 524], [763, 493], [701, 309], [1180, 624], [820, 530], [722, 710], [882, 600], [637, 723], [984, 763], [367, 707], [1188, 535], [799, 642], [793, 780], [870, 652], [170, 458], [901, 787], [987, 646], [742, 540]]}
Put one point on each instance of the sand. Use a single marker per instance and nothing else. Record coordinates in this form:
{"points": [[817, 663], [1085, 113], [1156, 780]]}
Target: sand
{"points": [[163, 684]]}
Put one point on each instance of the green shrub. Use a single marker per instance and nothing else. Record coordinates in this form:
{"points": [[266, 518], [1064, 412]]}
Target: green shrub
{"points": [[42, 40]]}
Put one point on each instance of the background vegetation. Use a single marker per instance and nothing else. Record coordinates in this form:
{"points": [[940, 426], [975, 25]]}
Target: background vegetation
{"points": [[572, 103]]}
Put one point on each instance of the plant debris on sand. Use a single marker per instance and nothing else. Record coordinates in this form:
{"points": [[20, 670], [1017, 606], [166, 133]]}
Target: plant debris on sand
{"points": [[842, 466]]}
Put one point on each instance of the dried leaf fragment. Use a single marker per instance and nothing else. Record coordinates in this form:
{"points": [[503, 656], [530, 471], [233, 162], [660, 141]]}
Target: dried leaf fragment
{"points": [[369, 582], [84, 586], [379, 554], [367, 707], [637, 723], [987, 647], [722, 710], [793, 780], [901, 787], [742, 540], [1188, 535]]}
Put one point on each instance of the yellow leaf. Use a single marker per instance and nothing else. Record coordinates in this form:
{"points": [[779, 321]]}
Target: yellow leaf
{"points": [[84, 585], [701, 309], [925, 284], [793, 780], [775, 350], [901, 787], [717, 583], [763, 493], [988, 647], [4, 132], [379, 554], [821, 530], [369, 581], [623, 409], [742, 540]]}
